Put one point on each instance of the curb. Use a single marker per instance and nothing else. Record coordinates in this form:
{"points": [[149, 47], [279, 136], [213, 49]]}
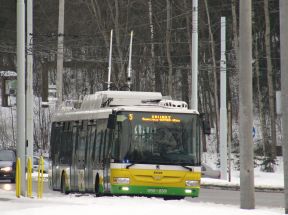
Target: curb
{"points": [[237, 188]]}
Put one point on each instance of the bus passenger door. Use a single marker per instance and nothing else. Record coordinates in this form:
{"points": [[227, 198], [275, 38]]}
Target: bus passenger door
{"points": [[106, 161], [91, 138], [80, 157], [74, 175]]}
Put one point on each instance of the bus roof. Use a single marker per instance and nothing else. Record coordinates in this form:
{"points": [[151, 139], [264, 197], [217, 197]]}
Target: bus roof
{"points": [[101, 104]]}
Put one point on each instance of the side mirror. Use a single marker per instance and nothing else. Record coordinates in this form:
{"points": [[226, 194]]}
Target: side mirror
{"points": [[111, 121]]}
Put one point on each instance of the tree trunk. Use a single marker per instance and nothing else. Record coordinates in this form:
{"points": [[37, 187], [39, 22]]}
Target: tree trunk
{"points": [[234, 78], [270, 80], [152, 66], [168, 51], [212, 46], [261, 110], [185, 76]]}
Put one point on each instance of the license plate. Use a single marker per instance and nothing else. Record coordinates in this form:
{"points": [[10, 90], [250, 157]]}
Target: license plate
{"points": [[157, 191]]}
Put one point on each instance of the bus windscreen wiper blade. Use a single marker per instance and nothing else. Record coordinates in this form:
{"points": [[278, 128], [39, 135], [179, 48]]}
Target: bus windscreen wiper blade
{"points": [[128, 166], [186, 167]]}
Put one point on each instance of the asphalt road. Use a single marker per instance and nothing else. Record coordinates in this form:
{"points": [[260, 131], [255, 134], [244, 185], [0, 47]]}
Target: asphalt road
{"points": [[218, 196]]}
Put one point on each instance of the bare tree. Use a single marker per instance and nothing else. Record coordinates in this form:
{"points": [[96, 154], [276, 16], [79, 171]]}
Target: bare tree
{"points": [[270, 80], [214, 70]]}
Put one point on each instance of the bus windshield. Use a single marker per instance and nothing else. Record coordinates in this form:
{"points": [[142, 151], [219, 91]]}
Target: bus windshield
{"points": [[157, 138]]}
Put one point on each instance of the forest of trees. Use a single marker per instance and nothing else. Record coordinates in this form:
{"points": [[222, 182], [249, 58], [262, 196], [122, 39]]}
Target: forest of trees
{"points": [[161, 59]]}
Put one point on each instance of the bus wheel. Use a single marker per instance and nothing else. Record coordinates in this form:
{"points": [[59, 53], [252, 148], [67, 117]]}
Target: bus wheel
{"points": [[63, 184], [97, 189]]}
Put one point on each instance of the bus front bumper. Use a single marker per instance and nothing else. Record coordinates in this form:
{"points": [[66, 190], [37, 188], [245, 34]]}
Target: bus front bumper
{"points": [[155, 191]]}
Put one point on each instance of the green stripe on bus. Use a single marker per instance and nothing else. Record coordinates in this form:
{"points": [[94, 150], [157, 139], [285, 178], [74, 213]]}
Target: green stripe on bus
{"points": [[157, 191]]}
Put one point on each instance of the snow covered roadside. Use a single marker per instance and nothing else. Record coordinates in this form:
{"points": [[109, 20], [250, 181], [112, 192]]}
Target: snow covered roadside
{"points": [[73, 205], [262, 180]]}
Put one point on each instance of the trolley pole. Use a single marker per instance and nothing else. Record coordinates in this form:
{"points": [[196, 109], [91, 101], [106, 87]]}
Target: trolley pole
{"points": [[247, 196], [194, 88], [283, 4], [110, 61], [20, 146]]}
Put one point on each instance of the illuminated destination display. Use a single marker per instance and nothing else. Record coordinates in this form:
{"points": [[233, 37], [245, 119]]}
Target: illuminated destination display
{"points": [[161, 118]]}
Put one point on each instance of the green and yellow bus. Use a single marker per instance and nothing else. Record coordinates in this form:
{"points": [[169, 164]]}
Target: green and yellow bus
{"points": [[127, 143]]}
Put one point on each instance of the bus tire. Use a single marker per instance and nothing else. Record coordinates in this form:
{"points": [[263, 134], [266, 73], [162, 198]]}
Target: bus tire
{"points": [[97, 186], [63, 184]]}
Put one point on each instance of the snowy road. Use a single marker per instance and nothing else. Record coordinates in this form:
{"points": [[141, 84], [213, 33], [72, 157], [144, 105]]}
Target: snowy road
{"points": [[263, 199], [88, 204]]}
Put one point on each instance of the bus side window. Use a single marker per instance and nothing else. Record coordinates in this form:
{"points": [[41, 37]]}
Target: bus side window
{"points": [[75, 140], [101, 146], [93, 142], [59, 142], [104, 143]]}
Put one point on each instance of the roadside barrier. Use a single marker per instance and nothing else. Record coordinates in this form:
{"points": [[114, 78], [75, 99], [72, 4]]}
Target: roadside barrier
{"points": [[40, 177], [29, 177], [18, 178]]}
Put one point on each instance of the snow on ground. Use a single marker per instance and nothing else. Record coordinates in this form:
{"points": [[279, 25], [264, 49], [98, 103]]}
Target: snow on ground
{"points": [[274, 180], [73, 205]]}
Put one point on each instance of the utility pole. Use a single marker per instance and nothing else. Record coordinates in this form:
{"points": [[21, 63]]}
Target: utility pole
{"points": [[223, 108], [247, 196], [283, 6], [29, 91], [20, 146], [194, 88], [60, 53]]}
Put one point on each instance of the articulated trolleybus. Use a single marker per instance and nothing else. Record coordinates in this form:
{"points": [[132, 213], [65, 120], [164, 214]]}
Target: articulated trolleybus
{"points": [[127, 143]]}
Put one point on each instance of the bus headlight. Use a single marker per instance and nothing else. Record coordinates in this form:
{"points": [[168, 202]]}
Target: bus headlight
{"points": [[192, 183], [6, 169], [122, 180]]}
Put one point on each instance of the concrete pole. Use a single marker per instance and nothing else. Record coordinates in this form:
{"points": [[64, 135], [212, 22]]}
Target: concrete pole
{"points": [[29, 91], [20, 147], [60, 53], [129, 63], [223, 109], [110, 61], [247, 196], [283, 6], [194, 88]]}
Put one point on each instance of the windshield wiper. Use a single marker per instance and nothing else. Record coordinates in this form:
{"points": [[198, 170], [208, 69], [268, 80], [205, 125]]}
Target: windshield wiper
{"points": [[128, 166], [186, 167]]}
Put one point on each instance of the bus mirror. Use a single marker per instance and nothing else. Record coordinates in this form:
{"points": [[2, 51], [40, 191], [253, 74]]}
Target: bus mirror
{"points": [[206, 127], [111, 121]]}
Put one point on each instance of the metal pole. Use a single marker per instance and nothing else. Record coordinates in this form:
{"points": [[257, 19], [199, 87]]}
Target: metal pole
{"points": [[247, 196], [194, 88], [29, 91], [283, 4], [129, 63], [21, 90], [110, 61], [60, 53], [223, 109]]}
